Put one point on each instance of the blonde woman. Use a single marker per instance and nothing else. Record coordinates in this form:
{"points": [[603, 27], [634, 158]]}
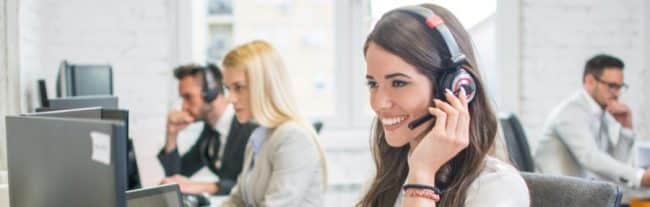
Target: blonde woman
{"points": [[283, 163]]}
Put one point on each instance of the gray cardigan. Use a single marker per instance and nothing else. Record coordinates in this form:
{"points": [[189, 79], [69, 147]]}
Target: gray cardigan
{"points": [[287, 170]]}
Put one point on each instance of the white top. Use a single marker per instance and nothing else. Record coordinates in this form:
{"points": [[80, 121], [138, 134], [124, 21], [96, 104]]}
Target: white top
{"points": [[498, 185], [580, 139]]}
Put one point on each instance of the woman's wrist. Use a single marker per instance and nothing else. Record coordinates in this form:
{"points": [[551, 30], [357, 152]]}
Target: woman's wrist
{"points": [[427, 177]]}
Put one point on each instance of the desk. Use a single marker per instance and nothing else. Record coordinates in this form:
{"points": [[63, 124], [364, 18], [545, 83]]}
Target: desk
{"points": [[639, 203], [636, 197]]}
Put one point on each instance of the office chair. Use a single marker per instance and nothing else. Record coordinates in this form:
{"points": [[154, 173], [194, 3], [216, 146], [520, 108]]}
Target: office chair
{"points": [[552, 191], [517, 143]]}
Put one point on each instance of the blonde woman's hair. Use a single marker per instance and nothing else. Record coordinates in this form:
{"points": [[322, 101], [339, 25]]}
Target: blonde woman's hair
{"points": [[272, 102], [271, 99]]}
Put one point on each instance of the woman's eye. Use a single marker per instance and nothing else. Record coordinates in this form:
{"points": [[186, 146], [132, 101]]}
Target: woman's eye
{"points": [[399, 83]]}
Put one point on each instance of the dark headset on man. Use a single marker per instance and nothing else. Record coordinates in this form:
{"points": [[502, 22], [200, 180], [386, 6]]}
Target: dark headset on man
{"points": [[455, 77], [211, 88]]}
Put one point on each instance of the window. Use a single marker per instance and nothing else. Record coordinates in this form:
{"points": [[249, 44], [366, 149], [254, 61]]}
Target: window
{"points": [[302, 31]]}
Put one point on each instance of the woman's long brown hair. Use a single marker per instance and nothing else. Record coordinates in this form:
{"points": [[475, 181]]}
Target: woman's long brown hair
{"points": [[407, 36]]}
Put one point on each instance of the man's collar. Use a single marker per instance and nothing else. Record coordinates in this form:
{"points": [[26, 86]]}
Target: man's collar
{"points": [[223, 123], [594, 107]]}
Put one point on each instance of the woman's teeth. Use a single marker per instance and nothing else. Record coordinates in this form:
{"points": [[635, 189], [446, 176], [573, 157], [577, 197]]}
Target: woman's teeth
{"points": [[393, 120]]}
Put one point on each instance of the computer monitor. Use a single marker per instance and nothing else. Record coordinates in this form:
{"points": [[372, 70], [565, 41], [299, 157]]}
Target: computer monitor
{"points": [[107, 102], [159, 196], [66, 162], [84, 80], [98, 113], [42, 93]]}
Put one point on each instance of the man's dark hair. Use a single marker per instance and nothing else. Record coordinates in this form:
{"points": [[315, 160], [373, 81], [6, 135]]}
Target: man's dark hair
{"points": [[198, 71], [597, 64]]}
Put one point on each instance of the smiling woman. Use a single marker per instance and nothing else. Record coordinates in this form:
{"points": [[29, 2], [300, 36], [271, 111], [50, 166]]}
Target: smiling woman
{"points": [[410, 54], [395, 104]]}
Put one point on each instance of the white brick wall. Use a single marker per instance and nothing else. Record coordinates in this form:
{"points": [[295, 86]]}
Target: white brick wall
{"points": [[137, 38], [557, 37]]}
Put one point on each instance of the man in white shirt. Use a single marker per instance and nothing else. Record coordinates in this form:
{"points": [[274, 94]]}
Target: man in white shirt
{"points": [[590, 134]]}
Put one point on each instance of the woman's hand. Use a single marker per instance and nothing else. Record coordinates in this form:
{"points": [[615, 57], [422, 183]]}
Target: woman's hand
{"points": [[449, 135]]}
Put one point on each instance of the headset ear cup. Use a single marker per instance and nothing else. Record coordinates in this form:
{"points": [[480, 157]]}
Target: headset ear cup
{"points": [[463, 79], [210, 90], [210, 95], [445, 82], [454, 81]]}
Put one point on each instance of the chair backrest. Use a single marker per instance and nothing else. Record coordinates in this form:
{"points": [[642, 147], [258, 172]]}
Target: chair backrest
{"points": [[517, 143], [552, 191]]}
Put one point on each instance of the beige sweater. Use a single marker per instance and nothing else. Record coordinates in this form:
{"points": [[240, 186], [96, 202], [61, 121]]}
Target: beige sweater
{"points": [[287, 170]]}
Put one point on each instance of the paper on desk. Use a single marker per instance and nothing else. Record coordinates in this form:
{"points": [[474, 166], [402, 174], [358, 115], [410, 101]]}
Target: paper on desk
{"points": [[101, 149]]}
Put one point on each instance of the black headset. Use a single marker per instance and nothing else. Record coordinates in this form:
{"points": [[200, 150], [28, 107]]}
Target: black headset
{"points": [[211, 88], [455, 76]]}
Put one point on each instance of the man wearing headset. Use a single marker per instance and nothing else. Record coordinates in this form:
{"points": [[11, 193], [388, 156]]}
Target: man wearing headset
{"points": [[221, 144], [591, 134]]}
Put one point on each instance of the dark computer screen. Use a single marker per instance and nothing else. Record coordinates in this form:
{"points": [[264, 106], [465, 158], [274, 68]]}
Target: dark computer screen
{"points": [[107, 102], [84, 80], [90, 80]]}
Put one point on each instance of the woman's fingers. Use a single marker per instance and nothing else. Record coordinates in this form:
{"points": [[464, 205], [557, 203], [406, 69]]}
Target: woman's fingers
{"points": [[452, 114], [453, 100], [463, 99], [441, 120], [462, 131], [458, 116]]}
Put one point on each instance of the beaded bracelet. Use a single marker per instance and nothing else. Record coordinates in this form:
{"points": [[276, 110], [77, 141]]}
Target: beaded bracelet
{"points": [[425, 193]]}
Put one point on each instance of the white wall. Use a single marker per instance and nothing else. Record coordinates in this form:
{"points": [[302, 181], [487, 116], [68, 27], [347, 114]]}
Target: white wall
{"points": [[8, 79], [554, 38], [484, 41], [646, 74], [9, 103], [3, 81], [139, 39]]}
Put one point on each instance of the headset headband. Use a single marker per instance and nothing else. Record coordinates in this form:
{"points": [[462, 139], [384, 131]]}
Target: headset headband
{"points": [[433, 21]]}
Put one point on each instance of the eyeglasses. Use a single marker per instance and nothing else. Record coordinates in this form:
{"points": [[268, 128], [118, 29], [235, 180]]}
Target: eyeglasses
{"points": [[613, 86]]}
